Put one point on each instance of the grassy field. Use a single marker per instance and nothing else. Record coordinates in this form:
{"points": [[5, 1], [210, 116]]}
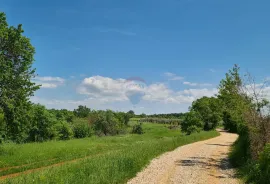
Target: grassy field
{"points": [[91, 160]]}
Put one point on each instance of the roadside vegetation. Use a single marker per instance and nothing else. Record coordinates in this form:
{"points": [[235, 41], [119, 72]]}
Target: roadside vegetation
{"points": [[111, 159], [242, 108]]}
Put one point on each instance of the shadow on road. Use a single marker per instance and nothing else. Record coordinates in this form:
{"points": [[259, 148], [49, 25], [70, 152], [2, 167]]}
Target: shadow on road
{"points": [[209, 163]]}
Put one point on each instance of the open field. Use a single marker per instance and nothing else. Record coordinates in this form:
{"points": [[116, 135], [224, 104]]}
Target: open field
{"points": [[91, 160]]}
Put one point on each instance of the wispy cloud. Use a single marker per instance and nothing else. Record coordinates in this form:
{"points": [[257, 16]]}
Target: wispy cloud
{"points": [[115, 30], [49, 82], [196, 84], [212, 70], [172, 76], [169, 74]]}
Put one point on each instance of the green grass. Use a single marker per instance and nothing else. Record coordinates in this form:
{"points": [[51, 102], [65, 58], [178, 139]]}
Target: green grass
{"points": [[109, 159]]}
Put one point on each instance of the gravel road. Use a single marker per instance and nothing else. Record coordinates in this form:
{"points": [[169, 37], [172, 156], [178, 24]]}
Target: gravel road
{"points": [[204, 162]]}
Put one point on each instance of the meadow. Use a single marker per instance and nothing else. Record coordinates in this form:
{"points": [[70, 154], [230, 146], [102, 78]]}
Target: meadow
{"points": [[109, 159]]}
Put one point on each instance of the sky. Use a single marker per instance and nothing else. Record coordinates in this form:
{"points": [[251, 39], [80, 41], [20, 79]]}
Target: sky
{"points": [[150, 56]]}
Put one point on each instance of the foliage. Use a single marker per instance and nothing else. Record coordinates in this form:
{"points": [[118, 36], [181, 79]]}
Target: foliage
{"points": [[82, 130], [110, 159], [16, 86], [2, 127], [42, 122], [64, 131], [108, 123], [131, 113], [82, 111], [243, 113], [235, 102], [209, 110], [168, 116], [63, 115], [192, 123], [264, 165], [137, 129], [161, 120]]}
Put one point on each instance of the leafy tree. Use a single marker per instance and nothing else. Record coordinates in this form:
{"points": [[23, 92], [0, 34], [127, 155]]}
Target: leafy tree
{"points": [[42, 122], [192, 123], [137, 129], [131, 113], [16, 86], [2, 127], [63, 131], [143, 115], [210, 111], [82, 111], [82, 130], [235, 102], [108, 123], [63, 115]]}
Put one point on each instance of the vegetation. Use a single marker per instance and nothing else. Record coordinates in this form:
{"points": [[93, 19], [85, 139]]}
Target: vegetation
{"points": [[245, 112], [111, 159], [16, 58], [168, 116], [137, 129], [161, 120], [241, 106], [205, 114], [100, 158]]}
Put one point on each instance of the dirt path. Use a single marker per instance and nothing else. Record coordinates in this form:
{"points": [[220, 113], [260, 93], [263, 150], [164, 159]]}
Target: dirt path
{"points": [[198, 163]]}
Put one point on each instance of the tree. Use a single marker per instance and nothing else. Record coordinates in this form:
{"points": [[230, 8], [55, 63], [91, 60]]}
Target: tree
{"points": [[42, 122], [210, 111], [131, 113], [82, 111], [192, 123], [235, 102], [16, 86]]}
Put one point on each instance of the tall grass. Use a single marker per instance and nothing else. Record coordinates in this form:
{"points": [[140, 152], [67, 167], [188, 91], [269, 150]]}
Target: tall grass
{"points": [[110, 159]]}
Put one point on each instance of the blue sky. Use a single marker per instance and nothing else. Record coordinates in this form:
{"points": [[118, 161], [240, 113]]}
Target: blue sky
{"points": [[85, 49]]}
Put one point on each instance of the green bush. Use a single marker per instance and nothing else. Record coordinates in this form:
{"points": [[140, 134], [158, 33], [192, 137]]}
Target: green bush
{"points": [[2, 127], [240, 153], [264, 165], [137, 129], [42, 122], [63, 131], [108, 123], [192, 123], [81, 130], [229, 123]]}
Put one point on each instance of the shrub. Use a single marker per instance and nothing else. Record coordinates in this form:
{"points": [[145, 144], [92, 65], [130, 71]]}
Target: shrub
{"points": [[264, 165], [172, 121], [42, 122], [2, 128], [108, 123], [137, 129], [192, 123], [81, 130], [63, 131]]}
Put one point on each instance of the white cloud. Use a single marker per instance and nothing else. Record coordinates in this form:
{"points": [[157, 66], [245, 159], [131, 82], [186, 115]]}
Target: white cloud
{"points": [[100, 92], [110, 90], [169, 74], [48, 85], [196, 84], [172, 76], [49, 82], [212, 70], [177, 78], [50, 79]]}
